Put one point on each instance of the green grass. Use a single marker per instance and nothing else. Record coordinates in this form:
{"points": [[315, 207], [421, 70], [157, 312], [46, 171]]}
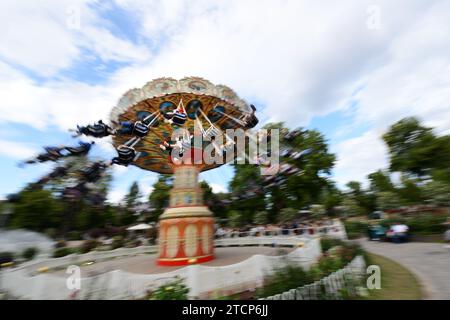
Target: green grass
{"points": [[397, 282]]}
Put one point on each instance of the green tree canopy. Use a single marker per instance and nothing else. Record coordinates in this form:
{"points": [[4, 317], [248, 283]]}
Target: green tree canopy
{"points": [[380, 182], [159, 197], [412, 147], [132, 198], [37, 210], [388, 200]]}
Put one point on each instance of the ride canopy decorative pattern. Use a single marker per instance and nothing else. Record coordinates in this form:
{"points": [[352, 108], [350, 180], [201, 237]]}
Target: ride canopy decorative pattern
{"points": [[214, 108]]}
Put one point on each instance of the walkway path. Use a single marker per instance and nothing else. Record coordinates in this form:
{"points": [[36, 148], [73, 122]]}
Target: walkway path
{"points": [[146, 263], [430, 262]]}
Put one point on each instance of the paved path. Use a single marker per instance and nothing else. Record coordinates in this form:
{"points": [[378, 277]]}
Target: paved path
{"points": [[430, 262], [146, 263]]}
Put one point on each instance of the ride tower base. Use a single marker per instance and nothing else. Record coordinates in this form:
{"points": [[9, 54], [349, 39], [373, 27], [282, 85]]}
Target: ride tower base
{"points": [[186, 228]]}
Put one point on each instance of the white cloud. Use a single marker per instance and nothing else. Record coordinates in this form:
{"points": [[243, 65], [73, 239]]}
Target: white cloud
{"points": [[16, 150], [217, 188], [414, 80], [52, 35], [116, 196], [358, 157]]}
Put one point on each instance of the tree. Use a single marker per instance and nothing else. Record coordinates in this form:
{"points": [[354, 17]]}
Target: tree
{"points": [[355, 188], [213, 200], [388, 200], [412, 147], [261, 217], [235, 219], [36, 210], [331, 198], [410, 191], [247, 194], [364, 201], [351, 207], [318, 210], [159, 197], [287, 214], [437, 192], [305, 187], [380, 182], [132, 198]]}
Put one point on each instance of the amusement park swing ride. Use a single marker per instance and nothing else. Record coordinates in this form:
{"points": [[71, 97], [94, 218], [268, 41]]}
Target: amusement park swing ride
{"points": [[143, 126]]}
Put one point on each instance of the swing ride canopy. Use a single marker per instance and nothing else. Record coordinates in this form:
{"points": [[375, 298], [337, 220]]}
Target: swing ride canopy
{"points": [[207, 105]]}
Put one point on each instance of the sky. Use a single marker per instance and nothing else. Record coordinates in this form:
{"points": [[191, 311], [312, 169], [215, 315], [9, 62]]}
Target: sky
{"points": [[349, 69]]}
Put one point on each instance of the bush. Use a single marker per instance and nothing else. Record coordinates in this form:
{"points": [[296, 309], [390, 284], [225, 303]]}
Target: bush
{"points": [[6, 257], [337, 254], [175, 290], [60, 244], [117, 242], [328, 243], [96, 233], [261, 217], [61, 252], [330, 264], [424, 224], [427, 224], [29, 253], [287, 214], [74, 235], [88, 245], [355, 229], [284, 279]]}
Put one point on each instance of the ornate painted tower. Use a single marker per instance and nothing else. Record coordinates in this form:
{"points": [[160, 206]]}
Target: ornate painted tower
{"points": [[186, 231]]}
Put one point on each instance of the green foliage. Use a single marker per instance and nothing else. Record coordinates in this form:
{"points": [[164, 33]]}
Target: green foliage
{"points": [[30, 253], [423, 224], [235, 219], [64, 251], [175, 290], [88, 245], [412, 147], [351, 207], [118, 242], [328, 264], [328, 243], [213, 200], [159, 197], [6, 257], [317, 210], [410, 192], [330, 198], [355, 229], [247, 178], [437, 192], [283, 279], [337, 254], [36, 210], [261, 217], [388, 200], [287, 214], [74, 235], [380, 182], [132, 198]]}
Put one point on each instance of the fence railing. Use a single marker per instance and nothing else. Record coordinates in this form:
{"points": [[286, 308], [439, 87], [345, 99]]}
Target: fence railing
{"points": [[330, 287], [335, 230]]}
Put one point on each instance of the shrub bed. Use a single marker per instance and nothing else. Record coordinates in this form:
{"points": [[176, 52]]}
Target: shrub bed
{"points": [[336, 255]]}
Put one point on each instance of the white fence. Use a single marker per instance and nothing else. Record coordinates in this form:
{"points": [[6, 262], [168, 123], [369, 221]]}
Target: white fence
{"points": [[334, 230], [329, 287], [203, 281]]}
